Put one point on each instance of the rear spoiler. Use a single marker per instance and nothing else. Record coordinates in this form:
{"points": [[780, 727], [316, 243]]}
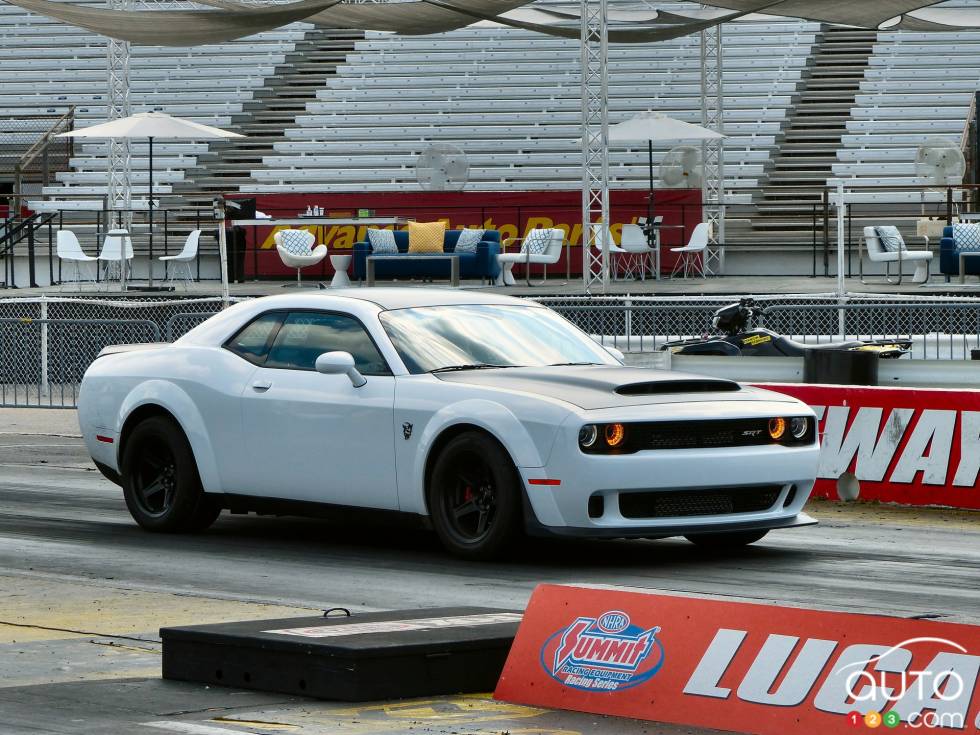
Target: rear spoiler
{"points": [[116, 349]]}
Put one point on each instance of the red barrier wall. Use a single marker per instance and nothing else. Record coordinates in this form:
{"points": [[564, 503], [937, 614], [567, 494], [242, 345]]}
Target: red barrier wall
{"points": [[513, 213], [737, 666], [914, 446]]}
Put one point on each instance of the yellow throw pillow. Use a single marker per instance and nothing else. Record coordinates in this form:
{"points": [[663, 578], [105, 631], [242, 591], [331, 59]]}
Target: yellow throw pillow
{"points": [[426, 237]]}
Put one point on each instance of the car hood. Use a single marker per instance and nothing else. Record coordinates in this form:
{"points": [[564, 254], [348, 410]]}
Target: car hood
{"points": [[595, 387]]}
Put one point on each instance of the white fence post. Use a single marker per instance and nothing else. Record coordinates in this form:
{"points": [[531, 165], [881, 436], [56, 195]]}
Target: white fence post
{"points": [[841, 286], [44, 347]]}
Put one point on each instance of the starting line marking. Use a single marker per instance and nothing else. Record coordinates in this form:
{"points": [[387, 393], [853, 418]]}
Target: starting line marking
{"points": [[395, 626]]}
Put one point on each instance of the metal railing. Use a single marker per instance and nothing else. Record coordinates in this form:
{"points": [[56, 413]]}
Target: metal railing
{"points": [[43, 360], [939, 329], [40, 152], [46, 344]]}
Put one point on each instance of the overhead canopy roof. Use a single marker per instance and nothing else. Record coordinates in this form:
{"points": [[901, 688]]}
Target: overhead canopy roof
{"points": [[230, 19]]}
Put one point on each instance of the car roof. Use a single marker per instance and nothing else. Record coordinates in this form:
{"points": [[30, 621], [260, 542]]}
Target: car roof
{"points": [[359, 301], [391, 298]]}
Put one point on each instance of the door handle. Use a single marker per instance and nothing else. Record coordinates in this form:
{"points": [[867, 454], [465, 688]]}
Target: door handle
{"points": [[261, 386]]}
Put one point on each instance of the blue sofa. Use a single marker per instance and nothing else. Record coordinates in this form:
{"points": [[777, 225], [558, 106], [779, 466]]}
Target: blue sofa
{"points": [[482, 264], [949, 256]]}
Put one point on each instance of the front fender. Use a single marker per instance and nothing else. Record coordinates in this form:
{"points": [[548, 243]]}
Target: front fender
{"points": [[494, 418], [172, 397]]}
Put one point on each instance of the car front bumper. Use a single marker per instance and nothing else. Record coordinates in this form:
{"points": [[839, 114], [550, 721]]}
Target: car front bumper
{"points": [[689, 528], [563, 509]]}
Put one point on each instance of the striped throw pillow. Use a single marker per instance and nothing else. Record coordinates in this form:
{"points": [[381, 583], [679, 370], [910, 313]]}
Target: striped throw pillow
{"points": [[382, 242], [890, 238], [468, 240]]}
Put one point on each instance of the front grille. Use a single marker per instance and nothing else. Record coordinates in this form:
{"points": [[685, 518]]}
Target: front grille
{"points": [[685, 503], [700, 434]]}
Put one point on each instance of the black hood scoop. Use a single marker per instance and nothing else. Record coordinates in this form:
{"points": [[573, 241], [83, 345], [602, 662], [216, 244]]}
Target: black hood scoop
{"points": [[603, 386], [665, 387]]}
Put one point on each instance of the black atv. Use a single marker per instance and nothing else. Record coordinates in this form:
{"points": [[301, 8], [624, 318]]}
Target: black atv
{"points": [[735, 335]]}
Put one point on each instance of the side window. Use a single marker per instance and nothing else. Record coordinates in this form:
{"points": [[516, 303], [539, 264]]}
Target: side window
{"points": [[253, 340], [305, 336]]}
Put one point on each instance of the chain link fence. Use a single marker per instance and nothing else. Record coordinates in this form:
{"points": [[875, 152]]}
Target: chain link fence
{"points": [[47, 343], [940, 328]]}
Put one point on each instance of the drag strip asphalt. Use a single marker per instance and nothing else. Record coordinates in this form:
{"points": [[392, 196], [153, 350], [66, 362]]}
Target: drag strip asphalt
{"points": [[84, 592]]}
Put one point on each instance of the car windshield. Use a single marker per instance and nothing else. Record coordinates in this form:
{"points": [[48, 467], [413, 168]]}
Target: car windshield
{"points": [[474, 336]]}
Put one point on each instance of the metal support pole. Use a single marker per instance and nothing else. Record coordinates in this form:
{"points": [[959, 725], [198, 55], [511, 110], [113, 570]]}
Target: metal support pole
{"points": [[119, 188], [713, 151], [841, 214], [219, 216], [45, 375], [595, 141]]}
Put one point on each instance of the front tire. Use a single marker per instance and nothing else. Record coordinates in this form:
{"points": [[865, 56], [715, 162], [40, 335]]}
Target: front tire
{"points": [[730, 540], [474, 497], [160, 480]]}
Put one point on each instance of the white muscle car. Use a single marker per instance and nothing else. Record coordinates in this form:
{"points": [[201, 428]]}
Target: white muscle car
{"points": [[485, 416]]}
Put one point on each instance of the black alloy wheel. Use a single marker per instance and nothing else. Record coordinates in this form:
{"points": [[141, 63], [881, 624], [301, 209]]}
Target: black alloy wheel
{"points": [[155, 480], [160, 481], [475, 497]]}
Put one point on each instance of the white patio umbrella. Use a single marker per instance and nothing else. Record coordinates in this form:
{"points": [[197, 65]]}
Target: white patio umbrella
{"points": [[657, 127], [152, 125]]}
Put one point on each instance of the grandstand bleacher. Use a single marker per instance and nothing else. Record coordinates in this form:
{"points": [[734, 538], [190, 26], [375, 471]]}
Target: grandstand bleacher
{"points": [[517, 119], [917, 86]]}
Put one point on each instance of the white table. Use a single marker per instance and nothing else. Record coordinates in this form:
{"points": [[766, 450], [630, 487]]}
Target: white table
{"points": [[340, 265], [306, 221]]}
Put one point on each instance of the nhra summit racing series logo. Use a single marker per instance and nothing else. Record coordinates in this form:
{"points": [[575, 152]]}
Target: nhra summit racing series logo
{"points": [[606, 653]]}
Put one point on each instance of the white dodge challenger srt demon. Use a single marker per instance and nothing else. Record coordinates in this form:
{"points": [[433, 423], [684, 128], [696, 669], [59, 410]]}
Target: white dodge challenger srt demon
{"points": [[484, 416]]}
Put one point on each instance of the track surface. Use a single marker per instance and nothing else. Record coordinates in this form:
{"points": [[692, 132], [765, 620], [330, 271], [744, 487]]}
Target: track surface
{"points": [[83, 591]]}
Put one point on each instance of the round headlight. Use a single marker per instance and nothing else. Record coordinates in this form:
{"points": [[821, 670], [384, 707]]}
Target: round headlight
{"points": [[777, 428], [615, 434], [587, 435], [798, 427]]}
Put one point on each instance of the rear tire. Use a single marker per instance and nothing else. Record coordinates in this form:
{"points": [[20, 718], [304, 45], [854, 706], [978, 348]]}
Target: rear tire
{"points": [[730, 540], [475, 497], [160, 481]]}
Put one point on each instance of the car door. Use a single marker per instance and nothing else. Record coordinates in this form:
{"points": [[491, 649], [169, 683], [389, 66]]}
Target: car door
{"points": [[316, 437]]}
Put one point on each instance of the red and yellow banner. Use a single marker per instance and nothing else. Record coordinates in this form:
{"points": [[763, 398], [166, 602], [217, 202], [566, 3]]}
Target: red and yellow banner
{"points": [[512, 213]]}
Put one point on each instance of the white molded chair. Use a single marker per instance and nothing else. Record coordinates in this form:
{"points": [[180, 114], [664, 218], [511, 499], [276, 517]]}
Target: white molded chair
{"points": [[878, 254], [113, 245], [691, 259], [181, 262], [550, 256], [600, 231], [639, 254], [296, 250], [71, 254]]}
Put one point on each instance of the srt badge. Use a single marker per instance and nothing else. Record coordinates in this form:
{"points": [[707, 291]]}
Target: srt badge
{"points": [[606, 653]]}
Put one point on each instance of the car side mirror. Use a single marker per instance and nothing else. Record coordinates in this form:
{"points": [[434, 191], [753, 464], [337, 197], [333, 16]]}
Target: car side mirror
{"points": [[615, 353], [340, 363]]}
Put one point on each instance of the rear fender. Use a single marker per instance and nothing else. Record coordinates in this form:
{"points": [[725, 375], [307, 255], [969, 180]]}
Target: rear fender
{"points": [[174, 400]]}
